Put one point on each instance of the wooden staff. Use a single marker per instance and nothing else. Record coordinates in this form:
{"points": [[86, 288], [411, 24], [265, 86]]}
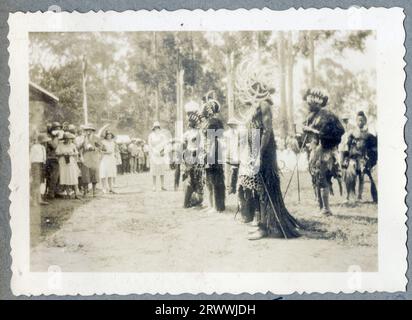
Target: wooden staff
{"points": [[294, 169]]}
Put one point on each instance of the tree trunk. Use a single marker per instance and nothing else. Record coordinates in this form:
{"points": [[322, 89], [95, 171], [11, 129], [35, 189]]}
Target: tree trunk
{"points": [[179, 104], [312, 59], [290, 67], [229, 74], [84, 85], [283, 109], [156, 91], [147, 109]]}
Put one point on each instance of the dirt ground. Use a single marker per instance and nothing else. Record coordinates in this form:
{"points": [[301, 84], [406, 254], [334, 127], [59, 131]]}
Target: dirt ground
{"points": [[138, 230]]}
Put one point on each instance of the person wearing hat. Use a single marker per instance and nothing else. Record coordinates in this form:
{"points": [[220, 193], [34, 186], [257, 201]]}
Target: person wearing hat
{"points": [[72, 129], [38, 161], [213, 135], [52, 163], [157, 141], [133, 151], [68, 169], [56, 125], [108, 163], [324, 132], [140, 156], [90, 154], [65, 126], [78, 141]]}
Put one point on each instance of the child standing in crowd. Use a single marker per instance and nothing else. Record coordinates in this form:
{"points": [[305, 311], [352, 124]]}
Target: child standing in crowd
{"points": [[140, 157], [38, 160], [133, 150], [124, 153], [118, 159], [67, 155], [146, 156]]}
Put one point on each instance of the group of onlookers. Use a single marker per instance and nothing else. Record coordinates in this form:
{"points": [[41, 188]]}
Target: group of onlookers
{"points": [[133, 157], [66, 160]]}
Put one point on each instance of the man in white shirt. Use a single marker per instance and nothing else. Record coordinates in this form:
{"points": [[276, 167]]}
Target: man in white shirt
{"points": [[38, 160], [133, 152]]}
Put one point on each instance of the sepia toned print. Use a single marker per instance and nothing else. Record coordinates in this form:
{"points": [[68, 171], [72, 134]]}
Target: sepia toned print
{"points": [[220, 153]]}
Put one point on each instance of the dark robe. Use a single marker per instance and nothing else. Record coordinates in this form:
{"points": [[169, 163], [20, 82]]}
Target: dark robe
{"points": [[262, 192], [215, 179]]}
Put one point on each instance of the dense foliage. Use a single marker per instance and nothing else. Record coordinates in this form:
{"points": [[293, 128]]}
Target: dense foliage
{"points": [[131, 76]]}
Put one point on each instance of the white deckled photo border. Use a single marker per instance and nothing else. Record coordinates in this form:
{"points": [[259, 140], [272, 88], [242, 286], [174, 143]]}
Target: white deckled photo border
{"points": [[392, 231]]}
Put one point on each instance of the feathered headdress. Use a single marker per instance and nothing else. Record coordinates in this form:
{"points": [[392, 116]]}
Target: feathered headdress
{"points": [[254, 81], [315, 96]]}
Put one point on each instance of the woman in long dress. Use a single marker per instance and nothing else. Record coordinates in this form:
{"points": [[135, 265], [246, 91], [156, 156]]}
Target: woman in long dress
{"points": [[157, 142], [108, 164], [259, 183], [66, 152]]}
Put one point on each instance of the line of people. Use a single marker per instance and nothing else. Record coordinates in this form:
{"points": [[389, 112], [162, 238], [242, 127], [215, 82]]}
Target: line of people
{"points": [[249, 160], [134, 157], [251, 165]]}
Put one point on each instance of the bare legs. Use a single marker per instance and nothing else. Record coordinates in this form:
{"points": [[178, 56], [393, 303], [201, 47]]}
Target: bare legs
{"points": [[104, 185], [75, 190], [162, 183], [111, 184], [154, 183], [107, 185]]}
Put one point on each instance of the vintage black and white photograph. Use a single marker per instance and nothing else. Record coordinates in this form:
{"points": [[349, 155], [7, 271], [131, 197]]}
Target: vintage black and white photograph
{"points": [[125, 133], [204, 151]]}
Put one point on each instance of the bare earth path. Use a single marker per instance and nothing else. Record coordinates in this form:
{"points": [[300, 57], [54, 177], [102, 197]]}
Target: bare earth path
{"points": [[138, 230]]}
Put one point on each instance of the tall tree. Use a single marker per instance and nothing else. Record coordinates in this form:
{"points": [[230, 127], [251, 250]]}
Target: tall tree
{"points": [[283, 112]]}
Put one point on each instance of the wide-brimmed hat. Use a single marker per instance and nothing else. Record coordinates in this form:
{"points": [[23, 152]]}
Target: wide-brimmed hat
{"points": [[88, 126], [156, 124], [56, 125], [68, 135], [108, 132], [71, 128], [42, 138]]}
